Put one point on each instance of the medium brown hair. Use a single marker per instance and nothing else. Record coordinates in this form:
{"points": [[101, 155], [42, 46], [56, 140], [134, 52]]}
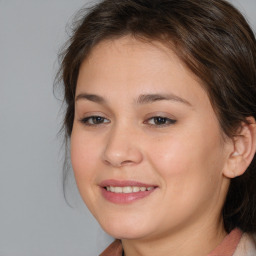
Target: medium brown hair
{"points": [[214, 41]]}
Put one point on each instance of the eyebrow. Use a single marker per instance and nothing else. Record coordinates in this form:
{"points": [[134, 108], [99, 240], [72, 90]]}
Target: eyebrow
{"points": [[150, 98], [142, 99], [91, 97]]}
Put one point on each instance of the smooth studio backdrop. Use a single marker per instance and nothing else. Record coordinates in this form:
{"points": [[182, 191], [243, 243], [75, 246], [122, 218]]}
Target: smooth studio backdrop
{"points": [[35, 220]]}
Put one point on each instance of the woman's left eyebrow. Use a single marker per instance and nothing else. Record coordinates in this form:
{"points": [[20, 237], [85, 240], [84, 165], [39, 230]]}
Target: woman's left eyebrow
{"points": [[150, 98]]}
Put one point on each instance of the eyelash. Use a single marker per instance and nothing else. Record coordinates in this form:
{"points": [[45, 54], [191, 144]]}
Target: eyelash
{"points": [[86, 120], [99, 120], [164, 121]]}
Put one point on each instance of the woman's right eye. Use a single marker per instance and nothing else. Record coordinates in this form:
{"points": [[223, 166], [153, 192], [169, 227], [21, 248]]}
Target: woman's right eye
{"points": [[94, 120]]}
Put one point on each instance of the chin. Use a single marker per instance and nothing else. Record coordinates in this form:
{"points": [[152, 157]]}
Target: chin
{"points": [[125, 230]]}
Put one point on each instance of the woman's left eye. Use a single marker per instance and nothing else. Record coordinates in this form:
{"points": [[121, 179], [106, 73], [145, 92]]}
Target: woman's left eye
{"points": [[160, 121]]}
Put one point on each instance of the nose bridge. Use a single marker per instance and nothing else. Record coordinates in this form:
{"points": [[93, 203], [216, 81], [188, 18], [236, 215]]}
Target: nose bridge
{"points": [[121, 146]]}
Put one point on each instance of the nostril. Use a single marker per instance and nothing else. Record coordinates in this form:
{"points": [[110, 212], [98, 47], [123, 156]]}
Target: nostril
{"points": [[121, 154], [127, 162], [118, 164]]}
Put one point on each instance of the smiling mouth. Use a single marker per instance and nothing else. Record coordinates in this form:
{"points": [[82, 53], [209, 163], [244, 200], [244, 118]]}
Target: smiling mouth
{"points": [[127, 189]]}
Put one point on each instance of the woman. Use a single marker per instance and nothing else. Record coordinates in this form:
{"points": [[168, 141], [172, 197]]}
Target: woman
{"points": [[161, 119]]}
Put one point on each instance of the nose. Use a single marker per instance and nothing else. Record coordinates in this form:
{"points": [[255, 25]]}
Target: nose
{"points": [[122, 148]]}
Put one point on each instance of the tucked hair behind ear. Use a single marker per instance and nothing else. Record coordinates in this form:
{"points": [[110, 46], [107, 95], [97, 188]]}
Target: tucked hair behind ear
{"points": [[215, 42]]}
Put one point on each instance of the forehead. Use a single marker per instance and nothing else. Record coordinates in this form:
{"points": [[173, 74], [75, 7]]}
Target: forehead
{"points": [[135, 50], [138, 52], [131, 65]]}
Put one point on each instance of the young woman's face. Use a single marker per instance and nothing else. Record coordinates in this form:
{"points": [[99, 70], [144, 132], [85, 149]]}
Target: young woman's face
{"points": [[146, 147]]}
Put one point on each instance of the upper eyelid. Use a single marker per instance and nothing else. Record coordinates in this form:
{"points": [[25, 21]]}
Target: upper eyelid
{"points": [[160, 114], [168, 118], [92, 116]]}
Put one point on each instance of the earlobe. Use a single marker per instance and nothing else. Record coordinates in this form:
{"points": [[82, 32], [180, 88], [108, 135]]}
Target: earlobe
{"points": [[244, 147]]}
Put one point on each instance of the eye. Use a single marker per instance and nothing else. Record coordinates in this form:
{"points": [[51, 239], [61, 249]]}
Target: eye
{"points": [[94, 120], [160, 121]]}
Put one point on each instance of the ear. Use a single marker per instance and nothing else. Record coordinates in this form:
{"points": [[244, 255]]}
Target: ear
{"points": [[243, 150]]}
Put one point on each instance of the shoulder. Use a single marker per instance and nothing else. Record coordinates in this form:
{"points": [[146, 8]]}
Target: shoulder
{"points": [[246, 246]]}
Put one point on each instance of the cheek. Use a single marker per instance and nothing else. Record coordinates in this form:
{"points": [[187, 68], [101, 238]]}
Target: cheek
{"points": [[190, 172], [189, 159], [84, 155], [85, 159]]}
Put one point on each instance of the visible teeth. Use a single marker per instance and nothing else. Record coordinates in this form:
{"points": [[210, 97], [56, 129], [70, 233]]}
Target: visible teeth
{"points": [[128, 189], [135, 189], [118, 190]]}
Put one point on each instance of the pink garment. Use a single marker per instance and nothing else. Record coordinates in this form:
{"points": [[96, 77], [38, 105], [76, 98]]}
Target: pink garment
{"points": [[228, 245], [234, 244]]}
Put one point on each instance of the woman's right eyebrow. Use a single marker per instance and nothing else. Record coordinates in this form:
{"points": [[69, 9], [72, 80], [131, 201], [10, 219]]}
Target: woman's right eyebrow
{"points": [[91, 97]]}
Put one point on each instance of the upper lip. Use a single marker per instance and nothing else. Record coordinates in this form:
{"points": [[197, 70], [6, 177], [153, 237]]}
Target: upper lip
{"points": [[124, 183]]}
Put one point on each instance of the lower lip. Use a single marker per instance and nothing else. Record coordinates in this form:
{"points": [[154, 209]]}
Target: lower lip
{"points": [[125, 198]]}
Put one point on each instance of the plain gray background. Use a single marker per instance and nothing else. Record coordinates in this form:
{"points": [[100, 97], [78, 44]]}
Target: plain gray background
{"points": [[34, 217]]}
